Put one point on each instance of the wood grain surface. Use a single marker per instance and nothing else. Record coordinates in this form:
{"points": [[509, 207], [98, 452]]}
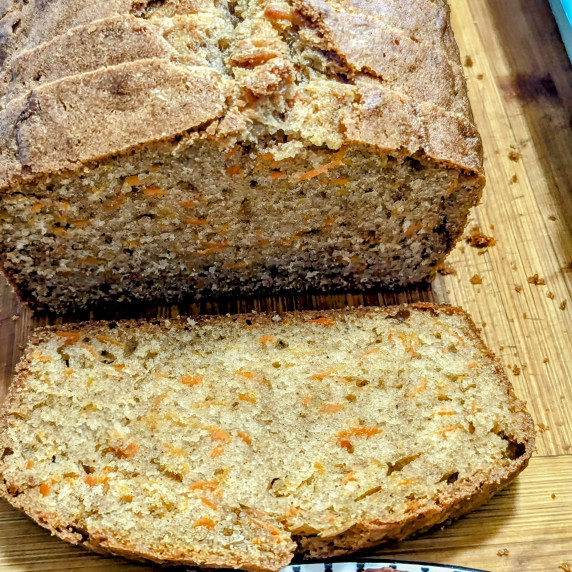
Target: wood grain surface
{"points": [[520, 85]]}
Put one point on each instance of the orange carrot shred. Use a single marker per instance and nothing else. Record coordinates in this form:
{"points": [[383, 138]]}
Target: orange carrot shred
{"points": [[217, 452], [69, 337], [155, 191], [218, 434], [209, 503], [110, 340], [206, 522], [244, 436], [191, 380], [332, 407], [234, 170], [196, 221], [322, 321], [45, 488], [451, 428], [30, 464], [266, 340], [322, 375]]}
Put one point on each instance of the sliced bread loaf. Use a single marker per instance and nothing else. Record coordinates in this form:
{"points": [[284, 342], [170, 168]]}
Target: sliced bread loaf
{"points": [[238, 441], [154, 150]]}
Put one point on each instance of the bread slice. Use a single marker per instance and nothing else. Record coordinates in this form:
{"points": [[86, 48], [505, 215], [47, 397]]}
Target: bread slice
{"points": [[154, 150], [239, 441]]}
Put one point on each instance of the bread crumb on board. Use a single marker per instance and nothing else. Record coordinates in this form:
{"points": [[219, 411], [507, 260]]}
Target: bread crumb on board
{"points": [[518, 289], [550, 295], [503, 552], [515, 370], [563, 304], [536, 280], [551, 217], [468, 62], [446, 270], [542, 427], [514, 155], [553, 495], [477, 239], [566, 566], [476, 279], [513, 180]]}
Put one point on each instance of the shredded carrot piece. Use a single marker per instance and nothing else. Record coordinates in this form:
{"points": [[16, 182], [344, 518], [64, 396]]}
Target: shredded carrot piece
{"points": [[196, 221], [218, 434], [274, 175], [89, 349], [38, 206], [159, 398], [154, 168], [451, 428], [319, 466], [407, 482], [217, 452], [361, 431], [80, 223], [460, 338], [329, 221], [60, 231], [186, 204], [191, 380], [233, 151], [209, 503], [332, 407], [94, 480], [473, 365], [206, 522], [234, 170], [473, 407], [69, 371], [132, 180], [128, 451], [244, 436], [412, 230], [114, 203], [249, 375], [446, 413], [209, 485], [110, 340], [45, 488], [370, 351], [307, 400], [320, 376], [247, 397], [322, 321], [155, 191], [30, 464], [350, 477], [451, 188], [265, 525], [69, 337], [275, 12], [318, 170], [178, 451], [266, 340]]}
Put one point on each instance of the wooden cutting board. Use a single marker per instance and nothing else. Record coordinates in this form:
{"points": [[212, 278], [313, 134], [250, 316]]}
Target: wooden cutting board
{"points": [[519, 291]]}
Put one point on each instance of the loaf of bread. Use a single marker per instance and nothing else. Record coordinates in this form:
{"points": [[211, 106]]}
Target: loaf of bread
{"points": [[239, 441], [181, 148]]}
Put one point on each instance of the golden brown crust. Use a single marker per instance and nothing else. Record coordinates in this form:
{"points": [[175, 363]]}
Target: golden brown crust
{"points": [[402, 60]]}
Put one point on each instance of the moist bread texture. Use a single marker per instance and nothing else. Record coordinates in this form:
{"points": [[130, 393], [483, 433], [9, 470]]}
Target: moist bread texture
{"points": [[239, 441], [176, 148]]}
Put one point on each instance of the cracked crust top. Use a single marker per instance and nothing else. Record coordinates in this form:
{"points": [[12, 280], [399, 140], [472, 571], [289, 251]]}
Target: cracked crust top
{"points": [[325, 72]]}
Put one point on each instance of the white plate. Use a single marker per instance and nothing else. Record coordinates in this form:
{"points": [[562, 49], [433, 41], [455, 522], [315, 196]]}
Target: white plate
{"points": [[370, 565]]}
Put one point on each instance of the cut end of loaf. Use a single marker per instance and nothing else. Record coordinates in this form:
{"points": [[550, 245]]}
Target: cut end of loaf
{"points": [[239, 441], [209, 221], [153, 151]]}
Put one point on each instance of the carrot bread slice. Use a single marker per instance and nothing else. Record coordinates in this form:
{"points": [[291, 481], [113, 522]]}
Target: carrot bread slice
{"points": [[154, 150], [239, 441]]}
